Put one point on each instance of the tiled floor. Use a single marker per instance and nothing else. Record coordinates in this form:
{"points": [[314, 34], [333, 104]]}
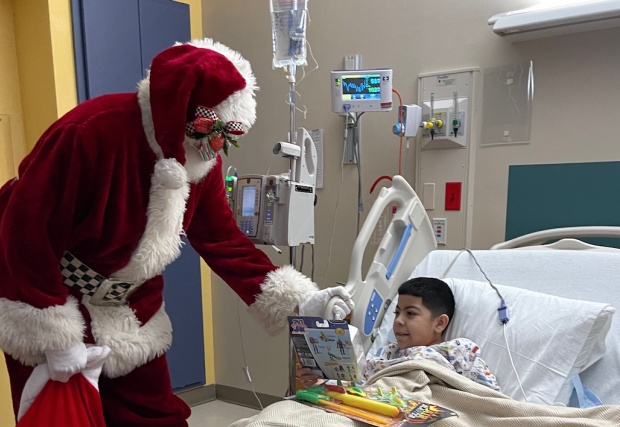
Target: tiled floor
{"points": [[218, 414]]}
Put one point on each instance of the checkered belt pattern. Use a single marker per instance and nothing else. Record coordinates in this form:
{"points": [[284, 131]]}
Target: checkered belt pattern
{"points": [[79, 276]]}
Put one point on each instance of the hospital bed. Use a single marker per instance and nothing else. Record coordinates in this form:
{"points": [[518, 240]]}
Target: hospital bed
{"points": [[568, 268]]}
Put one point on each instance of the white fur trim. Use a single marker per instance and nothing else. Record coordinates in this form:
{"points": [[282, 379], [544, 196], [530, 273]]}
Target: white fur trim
{"points": [[282, 291], [170, 173], [131, 343], [26, 332], [144, 100], [240, 106], [161, 242], [196, 168]]}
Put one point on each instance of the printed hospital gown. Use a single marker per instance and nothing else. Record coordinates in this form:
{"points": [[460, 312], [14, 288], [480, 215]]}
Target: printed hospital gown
{"points": [[461, 356]]}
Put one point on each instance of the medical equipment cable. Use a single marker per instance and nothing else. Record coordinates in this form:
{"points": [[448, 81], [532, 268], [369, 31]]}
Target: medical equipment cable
{"points": [[480, 268], [312, 273], [513, 363], [357, 156], [400, 153], [303, 68], [246, 369], [484, 274], [301, 264], [331, 240], [358, 160], [503, 316], [288, 102], [360, 204]]}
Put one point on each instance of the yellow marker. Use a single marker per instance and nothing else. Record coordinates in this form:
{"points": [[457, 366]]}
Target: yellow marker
{"points": [[320, 399], [367, 404], [353, 412]]}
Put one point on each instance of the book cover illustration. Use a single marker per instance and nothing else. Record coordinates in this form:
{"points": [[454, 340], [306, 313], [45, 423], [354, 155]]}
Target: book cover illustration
{"points": [[325, 347]]}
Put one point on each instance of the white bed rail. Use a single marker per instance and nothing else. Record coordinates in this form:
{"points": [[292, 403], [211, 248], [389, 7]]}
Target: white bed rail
{"points": [[569, 233]]}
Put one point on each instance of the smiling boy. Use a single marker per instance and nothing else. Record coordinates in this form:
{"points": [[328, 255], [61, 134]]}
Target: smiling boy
{"points": [[425, 308]]}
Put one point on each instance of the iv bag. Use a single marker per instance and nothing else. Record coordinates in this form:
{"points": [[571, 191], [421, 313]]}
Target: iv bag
{"points": [[288, 28]]}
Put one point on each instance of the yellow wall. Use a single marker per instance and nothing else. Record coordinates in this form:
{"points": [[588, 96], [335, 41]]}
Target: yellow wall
{"points": [[61, 33], [37, 86], [36, 68], [6, 406], [12, 149]]}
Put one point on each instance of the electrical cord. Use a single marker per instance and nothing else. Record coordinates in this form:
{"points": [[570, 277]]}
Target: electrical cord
{"points": [[301, 265], [513, 363], [484, 274], [358, 160], [360, 203], [312, 273], [331, 241], [480, 268], [246, 369]]}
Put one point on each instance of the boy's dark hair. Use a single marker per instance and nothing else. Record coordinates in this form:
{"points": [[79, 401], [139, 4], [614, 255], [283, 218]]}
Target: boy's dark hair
{"points": [[436, 295]]}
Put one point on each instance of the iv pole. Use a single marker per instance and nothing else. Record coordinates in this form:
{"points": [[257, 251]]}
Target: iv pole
{"points": [[292, 357], [292, 139]]}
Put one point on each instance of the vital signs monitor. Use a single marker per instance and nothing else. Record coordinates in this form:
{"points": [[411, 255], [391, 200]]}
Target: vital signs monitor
{"points": [[360, 91]]}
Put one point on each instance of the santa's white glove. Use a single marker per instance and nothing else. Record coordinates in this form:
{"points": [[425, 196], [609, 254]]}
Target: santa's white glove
{"points": [[63, 364], [316, 303]]}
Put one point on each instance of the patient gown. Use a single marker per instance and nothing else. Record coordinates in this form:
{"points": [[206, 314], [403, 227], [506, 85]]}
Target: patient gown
{"points": [[460, 355]]}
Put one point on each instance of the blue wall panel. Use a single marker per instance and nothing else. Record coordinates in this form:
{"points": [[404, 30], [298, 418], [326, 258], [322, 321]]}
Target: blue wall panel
{"points": [[183, 296], [563, 195], [111, 46], [162, 24]]}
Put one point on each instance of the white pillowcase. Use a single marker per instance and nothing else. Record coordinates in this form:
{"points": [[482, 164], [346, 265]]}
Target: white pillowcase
{"points": [[550, 338]]}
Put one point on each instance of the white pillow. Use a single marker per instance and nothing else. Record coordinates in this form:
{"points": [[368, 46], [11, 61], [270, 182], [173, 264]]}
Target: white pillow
{"points": [[550, 338]]}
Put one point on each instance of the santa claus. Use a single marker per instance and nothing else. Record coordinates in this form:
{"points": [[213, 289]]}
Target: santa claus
{"points": [[97, 213]]}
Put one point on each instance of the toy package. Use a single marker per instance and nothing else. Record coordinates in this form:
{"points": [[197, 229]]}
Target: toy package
{"points": [[325, 347], [372, 405]]}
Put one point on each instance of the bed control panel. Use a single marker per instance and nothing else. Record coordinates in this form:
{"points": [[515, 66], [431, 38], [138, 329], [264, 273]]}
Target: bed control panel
{"points": [[372, 312]]}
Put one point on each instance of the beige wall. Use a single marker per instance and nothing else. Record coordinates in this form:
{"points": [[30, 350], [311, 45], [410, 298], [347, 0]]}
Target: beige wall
{"points": [[576, 80]]}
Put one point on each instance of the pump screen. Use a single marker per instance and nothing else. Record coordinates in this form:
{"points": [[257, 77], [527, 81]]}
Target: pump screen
{"points": [[361, 86], [249, 195]]}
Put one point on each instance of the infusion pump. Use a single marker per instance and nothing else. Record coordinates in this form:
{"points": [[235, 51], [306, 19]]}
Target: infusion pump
{"points": [[273, 209]]}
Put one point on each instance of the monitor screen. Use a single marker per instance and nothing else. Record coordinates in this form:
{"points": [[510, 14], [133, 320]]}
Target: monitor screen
{"points": [[361, 86], [249, 196]]}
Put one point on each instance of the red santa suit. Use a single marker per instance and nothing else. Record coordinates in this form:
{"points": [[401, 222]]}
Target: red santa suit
{"points": [[115, 183]]}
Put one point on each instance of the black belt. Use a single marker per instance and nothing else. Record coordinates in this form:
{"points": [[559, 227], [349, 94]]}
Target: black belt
{"points": [[102, 291]]}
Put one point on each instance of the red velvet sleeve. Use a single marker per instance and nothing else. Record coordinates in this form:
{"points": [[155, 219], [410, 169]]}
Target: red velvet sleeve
{"points": [[214, 234]]}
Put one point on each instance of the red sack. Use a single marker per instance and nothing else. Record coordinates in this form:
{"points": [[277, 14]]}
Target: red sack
{"points": [[75, 403]]}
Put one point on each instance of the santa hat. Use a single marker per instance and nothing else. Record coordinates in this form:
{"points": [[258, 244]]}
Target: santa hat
{"points": [[201, 73]]}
